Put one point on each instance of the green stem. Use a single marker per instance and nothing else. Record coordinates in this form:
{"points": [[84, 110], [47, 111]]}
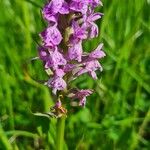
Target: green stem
{"points": [[60, 133]]}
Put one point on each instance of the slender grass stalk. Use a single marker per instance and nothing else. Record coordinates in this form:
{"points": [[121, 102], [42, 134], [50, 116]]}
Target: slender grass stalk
{"points": [[26, 18], [4, 140], [60, 133]]}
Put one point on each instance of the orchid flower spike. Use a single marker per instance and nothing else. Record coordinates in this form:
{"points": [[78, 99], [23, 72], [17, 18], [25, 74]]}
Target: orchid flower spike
{"points": [[69, 24]]}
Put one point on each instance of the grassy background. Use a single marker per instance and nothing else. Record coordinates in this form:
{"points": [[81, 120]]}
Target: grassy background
{"points": [[117, 115]]}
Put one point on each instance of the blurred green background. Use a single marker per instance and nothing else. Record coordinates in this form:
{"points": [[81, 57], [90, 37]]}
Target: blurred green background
{"points": [[117, 115]]}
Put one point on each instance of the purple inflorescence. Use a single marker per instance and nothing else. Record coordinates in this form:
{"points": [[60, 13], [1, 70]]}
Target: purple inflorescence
{"points": [[70, 23]]}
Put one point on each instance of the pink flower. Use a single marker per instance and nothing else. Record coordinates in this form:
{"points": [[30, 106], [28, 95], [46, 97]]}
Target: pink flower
{"points": [[51, 36], [75, 52], [55, 59], [97, 53], [57, 83], [81, 95], [70, 23]]}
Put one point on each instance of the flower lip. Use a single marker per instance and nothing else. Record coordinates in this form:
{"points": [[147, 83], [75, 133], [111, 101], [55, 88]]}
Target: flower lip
{"points": [[51, 36], [81, 95]]}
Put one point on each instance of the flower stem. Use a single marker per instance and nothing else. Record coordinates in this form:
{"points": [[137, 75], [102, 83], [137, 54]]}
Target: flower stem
{"points": [[60, 133]]}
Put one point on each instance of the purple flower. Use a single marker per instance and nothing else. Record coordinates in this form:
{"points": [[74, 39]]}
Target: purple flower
{"points": [[90, 67], [89, 22], [56, 83], [55, 59], [59, 73], [79, 6], [51, 10], [75, 52], [52, 7], [90, 63], [79, 33], [95, 3], [93, 16], [64, 9], [97, 53], [68, 67], [51, 36], [43, 54], [70, 23], [81, 95]]}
